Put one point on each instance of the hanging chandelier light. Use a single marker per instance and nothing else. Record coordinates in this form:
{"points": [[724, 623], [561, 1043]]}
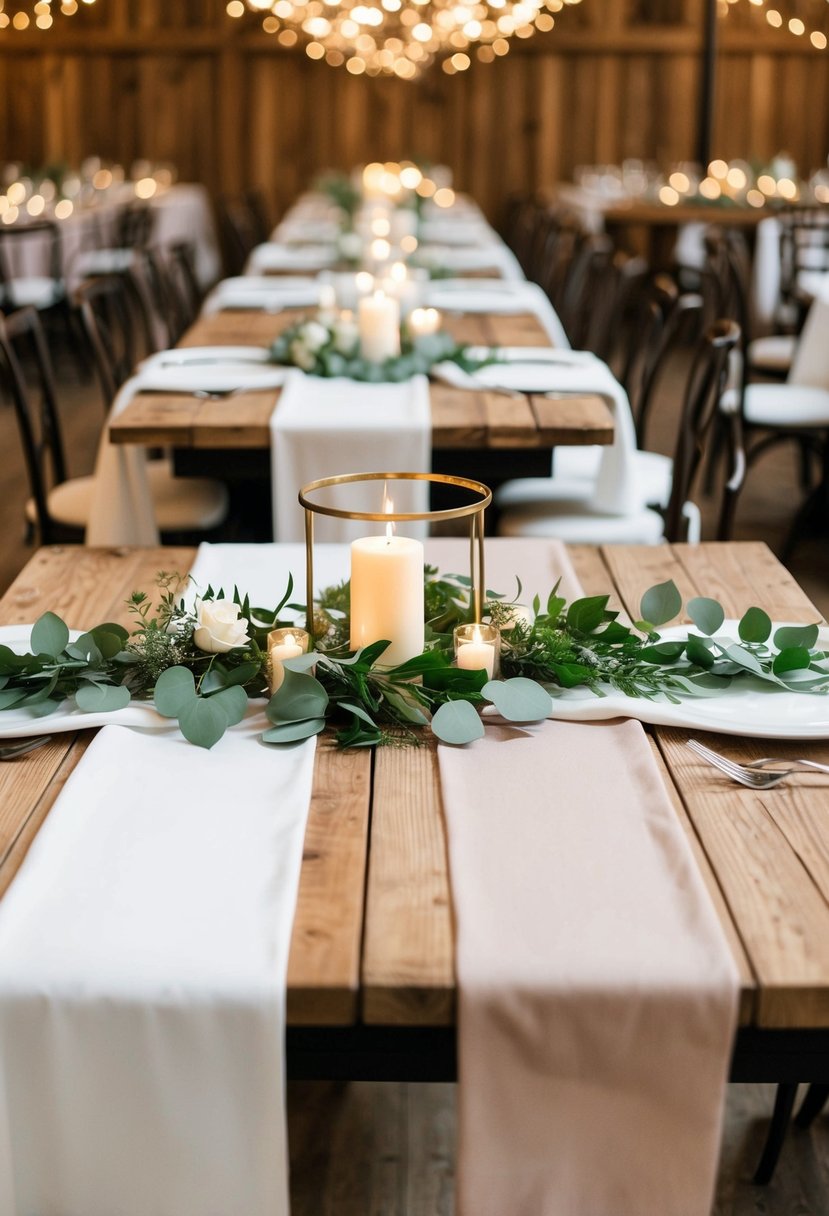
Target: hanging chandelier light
{"points": [[23, 14], [401, 37]]}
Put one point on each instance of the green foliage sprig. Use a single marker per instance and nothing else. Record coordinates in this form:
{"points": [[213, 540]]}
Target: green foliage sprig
{"points": [[327, 350], [205, 683]]}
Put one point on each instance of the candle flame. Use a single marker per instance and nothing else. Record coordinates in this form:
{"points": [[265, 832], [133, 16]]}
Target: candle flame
{"points": [[289, 640], [388, 508], [477, 636]]}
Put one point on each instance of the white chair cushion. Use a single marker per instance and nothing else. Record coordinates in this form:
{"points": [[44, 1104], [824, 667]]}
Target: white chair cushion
{"points": [[774, 353], [785, 405], [35, 292], [181, 504], [573, 522], [576, 467]]}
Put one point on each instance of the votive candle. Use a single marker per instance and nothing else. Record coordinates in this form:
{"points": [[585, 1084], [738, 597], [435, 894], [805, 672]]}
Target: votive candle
{"points": [[477, 648], [423, 322], [284, 644]]}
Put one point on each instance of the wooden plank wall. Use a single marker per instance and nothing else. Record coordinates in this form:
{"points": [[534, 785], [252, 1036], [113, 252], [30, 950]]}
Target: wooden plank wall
{"points": [[616, 78]]}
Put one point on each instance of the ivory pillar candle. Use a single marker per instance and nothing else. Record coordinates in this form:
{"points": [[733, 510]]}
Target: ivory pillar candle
{"points": [[379, 324], [387, 596]]}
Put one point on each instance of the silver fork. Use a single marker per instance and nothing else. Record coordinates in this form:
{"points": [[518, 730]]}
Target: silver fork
{"points": [[753, 778], [23, 747]]}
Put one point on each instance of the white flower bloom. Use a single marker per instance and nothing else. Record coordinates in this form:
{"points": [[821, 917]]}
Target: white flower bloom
{"points": [[314, 335], [346, 335], [220, 628], [351, 246], [301, 356]]}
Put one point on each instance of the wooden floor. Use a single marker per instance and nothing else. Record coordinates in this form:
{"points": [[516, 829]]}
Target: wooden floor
{"points": [[388, 1150]]}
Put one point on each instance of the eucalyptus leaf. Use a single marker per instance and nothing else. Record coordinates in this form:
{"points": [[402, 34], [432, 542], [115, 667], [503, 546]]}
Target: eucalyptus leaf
{"points": [[353, 708], [294, 732], [49, 635], [109, 639], [102, 698], [175, 688], [9, 697], [299, 696], [698, 651], [234, 702], [755, 626], [457, 722], [302, 662], [203, 721], [793, 658], [795, 635], [661, 603], [519, 699], [408, 711], [707, 614], [587, 614]]}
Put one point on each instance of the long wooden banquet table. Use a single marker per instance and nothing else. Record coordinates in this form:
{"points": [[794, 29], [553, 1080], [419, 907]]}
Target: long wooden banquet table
{"points": [[515, 429], [371, 987]]}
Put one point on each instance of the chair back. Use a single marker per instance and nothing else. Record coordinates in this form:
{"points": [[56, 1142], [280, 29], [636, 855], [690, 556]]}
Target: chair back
{"points": [[704, 387], [22, 341], [810, 365], [134, 226], [185, 281], [804, 248], [238, 230], [39, 241], [107, 314], [663, 316]]}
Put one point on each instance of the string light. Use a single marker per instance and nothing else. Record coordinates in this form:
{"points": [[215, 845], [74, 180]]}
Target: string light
{"points": [[401, 37], [778, 20], [37, 14]]}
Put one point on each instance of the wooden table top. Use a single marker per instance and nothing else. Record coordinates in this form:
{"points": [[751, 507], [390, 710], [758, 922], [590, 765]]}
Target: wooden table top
{"points": [[373, 936], [460, 418]]}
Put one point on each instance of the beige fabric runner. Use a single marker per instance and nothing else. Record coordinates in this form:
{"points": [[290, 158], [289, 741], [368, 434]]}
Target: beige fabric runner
{"points": [[597, 993]]}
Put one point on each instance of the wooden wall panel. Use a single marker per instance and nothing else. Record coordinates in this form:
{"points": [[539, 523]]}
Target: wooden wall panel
{"points": [[615, 79]]}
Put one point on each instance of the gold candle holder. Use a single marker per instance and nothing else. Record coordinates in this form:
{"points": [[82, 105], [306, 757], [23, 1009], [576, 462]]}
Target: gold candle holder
{"points": [[473, 511], [288, 643], [478, 648]]}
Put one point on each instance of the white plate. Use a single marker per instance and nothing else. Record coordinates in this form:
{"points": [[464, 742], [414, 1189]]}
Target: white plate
{"points": [[17, 723], [750, 709], [201, 356]]}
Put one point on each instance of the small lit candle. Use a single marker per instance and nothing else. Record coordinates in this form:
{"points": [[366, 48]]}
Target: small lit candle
{"points": [[387, 600], [284, 644], [379, 325], [476, 648], [423, 322], [380, 251], [327, 302]]}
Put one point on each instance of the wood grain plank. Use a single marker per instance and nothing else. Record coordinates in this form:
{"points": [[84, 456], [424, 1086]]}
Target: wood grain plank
{"points": [[324, 964], [569, 420], [408, 957]]}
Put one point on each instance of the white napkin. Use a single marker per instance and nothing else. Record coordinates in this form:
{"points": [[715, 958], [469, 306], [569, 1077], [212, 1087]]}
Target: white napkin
{"points": [[264, 292], [273, 256], [324, 427], [489, 296], [212, 378], [143, 954], [204, 356], [496, 256], [540, 369]]}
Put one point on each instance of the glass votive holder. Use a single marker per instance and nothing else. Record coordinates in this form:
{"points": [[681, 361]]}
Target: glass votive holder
{"points": [[283, 644], [478, 648]]}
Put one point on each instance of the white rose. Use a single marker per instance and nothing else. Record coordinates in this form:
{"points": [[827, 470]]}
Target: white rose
{"points": [[314, 335], [219, 626], [301, 356], [346, 334], [351, 246]]}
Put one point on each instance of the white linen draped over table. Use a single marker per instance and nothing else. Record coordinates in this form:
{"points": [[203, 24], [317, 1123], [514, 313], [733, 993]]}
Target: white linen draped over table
{"points": [[143, 954], [597, 994], [539, 369], [322, 428]]}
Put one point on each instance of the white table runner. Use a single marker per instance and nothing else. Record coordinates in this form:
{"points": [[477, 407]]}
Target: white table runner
{"points": [[325, 427], [597, 994], [143, 953]]}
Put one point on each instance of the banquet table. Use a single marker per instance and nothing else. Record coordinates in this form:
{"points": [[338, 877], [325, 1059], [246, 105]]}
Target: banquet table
{"points": [[480, 421], [371, 987]]}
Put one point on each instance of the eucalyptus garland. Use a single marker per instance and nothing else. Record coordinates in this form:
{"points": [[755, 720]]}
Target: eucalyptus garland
{"points": [[333, 349], [201, 665]]}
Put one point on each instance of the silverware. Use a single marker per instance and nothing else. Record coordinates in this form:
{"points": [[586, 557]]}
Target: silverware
{"points": [[218, 394], [14, 750], [752, 775]]}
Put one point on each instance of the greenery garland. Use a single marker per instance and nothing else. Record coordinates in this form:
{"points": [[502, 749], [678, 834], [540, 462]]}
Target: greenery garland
{"points": [[201, 665], [333, 349]]}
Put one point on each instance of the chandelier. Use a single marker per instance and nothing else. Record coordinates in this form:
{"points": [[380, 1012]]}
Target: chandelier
{"points": [[401, 37], [41, 13]]}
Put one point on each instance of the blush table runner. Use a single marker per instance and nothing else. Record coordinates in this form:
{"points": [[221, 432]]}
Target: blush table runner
{"points": [[143, 952], [597, 995]]}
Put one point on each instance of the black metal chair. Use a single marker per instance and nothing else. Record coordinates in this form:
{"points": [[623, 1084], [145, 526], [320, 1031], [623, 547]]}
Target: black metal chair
{"points": [[39, 242]]}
